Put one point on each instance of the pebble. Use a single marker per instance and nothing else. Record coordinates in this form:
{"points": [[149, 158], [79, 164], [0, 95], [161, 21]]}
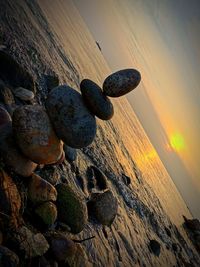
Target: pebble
{"points": [[70, 153], [29, 244], [50, 174], [154, 247], [47, 212], [72, 208], [121, 82], [40, 191], [61, 247], [10, 203], [8, 258], [98, 103], [35, 135], [103, 206], [23, 94], [11, 154], [6, 95], [72, 121]]}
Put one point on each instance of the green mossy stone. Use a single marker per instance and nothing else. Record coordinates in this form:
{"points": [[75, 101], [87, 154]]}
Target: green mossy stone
{"points": [[47, 212], [72, 209]]}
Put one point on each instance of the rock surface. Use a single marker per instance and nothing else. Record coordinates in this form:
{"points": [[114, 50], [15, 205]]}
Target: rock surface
{"points": [[72, 209], [72, 121], [40, 190], [35, 135], [103, 206], [95, 100], [121, 82], [12, 71]]}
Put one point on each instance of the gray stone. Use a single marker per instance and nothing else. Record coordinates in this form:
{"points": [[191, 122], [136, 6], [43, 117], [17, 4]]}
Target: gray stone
{"points": [[23, 94], [95, 100], [103, 206], [121, 82], [72, 121]]}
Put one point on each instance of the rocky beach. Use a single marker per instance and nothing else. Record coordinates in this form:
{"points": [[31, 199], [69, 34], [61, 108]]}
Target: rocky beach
{"points": [[75, 186]]}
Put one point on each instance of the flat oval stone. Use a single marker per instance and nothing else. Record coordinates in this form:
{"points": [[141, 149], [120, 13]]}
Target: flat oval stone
{"points": [[95, 100], [35, 135], [72, 121], [23, 94], [121, 82]]}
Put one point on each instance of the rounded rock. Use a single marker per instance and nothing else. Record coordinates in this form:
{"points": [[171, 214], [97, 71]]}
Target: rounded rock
{"points": [[72, 121], [47, 212], [95, 100], [35, 135], [70, 153], [40, 190], [8, 258], [72, 209], [121, 82], [23, 94], [103, 206]]}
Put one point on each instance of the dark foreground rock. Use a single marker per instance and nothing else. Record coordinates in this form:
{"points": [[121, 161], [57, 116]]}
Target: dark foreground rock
{"points": [[72, 209], [8, 258]]}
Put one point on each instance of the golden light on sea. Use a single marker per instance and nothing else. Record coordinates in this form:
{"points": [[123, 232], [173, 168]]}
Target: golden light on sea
{"points": [[177, 142]]}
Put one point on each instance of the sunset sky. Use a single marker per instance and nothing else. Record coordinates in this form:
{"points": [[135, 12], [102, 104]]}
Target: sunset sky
{"points": [[161, 38]]}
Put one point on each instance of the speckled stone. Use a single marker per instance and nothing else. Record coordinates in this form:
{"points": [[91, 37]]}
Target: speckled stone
{"points": [[23, 93], [35, 135], [121, 82], [95, 100], [72, 121]]}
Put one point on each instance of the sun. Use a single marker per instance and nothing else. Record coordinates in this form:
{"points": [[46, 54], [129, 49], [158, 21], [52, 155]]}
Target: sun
{"points": [[177, 142]]}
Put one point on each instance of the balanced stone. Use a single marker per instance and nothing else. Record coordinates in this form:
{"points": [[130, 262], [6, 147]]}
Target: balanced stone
{"points": [[72, 121], [95, 100], [121, 82], [23, 94], [35, 135], [40, 190], [72, 209]]}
